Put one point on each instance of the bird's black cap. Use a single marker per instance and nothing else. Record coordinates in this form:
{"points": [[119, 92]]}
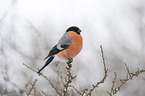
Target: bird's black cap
{"points": [[74, 28]]}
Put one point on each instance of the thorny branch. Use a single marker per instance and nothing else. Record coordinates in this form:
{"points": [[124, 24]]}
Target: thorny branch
{"points": [[44, 93], [129, 76], [76, 89], [105, 75], [32, 87], [98, 83], [45, 78], [88, 92], [113, 83], [69, 78]]}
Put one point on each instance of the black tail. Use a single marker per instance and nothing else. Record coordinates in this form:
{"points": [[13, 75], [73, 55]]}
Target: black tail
{"points": [[47, 62]]}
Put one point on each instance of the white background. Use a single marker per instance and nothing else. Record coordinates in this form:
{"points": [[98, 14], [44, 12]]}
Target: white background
{"points": [[29, 28]]}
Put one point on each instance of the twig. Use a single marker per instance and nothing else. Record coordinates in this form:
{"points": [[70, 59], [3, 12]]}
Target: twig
{"points": [[69, 77], [32, 87], [44, 93], [129, 76], [29, 68], [53, 86], [45, 78], [105, 75], [34, 91], [113, 83], [84, 92], [76, 90], [98, 83]]}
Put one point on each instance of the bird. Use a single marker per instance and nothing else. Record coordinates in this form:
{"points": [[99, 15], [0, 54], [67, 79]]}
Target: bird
{"points": [[67, 47]]}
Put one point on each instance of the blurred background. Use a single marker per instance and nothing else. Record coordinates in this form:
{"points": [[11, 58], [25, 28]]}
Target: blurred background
{"points": [[30, 28]]}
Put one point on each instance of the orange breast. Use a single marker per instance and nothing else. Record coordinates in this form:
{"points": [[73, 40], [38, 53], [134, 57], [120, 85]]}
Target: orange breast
{"points": [[75, 47]]}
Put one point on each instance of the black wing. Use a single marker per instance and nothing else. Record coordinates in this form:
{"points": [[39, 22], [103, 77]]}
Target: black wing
{"points": [[55, 50], [63, 44]]}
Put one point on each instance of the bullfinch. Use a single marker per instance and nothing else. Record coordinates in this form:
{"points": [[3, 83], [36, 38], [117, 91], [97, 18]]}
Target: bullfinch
{"points": [[67, 47]]}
